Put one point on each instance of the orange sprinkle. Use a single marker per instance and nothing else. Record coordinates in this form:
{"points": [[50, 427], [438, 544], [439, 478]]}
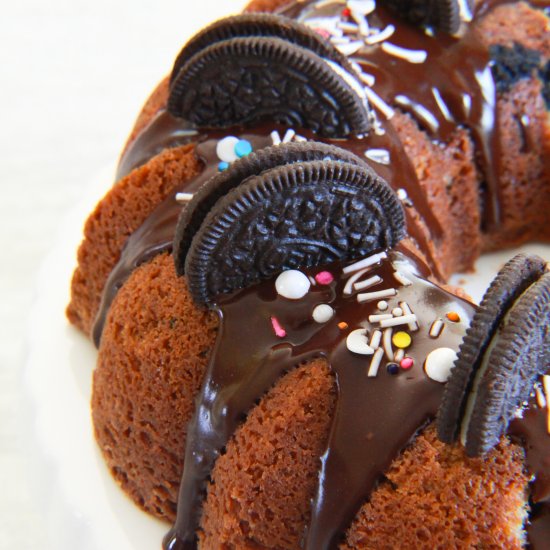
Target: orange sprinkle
{"points": [[342, 325], [453, 316]]}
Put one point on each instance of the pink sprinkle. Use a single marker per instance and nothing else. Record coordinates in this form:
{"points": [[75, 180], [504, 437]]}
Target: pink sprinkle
{"points": [[323, 32], [280, 332], [406, 363], [324, 278]]}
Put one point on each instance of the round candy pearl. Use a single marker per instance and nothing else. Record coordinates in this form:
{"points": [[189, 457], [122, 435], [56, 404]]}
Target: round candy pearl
{"points": [[382, 305], [393, 368], [292, 284], [324, 278], [322, 313], [225, 148], [223, 166], [243, 148], [406, 363], [401, 339], [439, 363]]}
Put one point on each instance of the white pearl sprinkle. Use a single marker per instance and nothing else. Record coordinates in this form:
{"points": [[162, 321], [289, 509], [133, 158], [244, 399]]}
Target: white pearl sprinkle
{"points": [[322, 313], [225, 149], [439, 363], [397, 312], [382, 305], [292, 284]]}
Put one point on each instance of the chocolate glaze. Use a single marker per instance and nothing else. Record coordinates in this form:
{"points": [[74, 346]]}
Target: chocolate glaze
{"points": [[249, 358]]}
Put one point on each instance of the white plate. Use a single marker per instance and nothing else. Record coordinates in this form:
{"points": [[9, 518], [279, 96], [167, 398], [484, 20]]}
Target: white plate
{"points": [[83, 506]]}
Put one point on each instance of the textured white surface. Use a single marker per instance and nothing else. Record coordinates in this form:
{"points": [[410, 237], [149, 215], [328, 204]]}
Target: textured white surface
{"points": [[73, 76]]}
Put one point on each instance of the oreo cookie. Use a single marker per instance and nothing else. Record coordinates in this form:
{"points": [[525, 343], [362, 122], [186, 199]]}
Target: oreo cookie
{"points": [[441, 15], [260, 25], [248, 80], [296, 215], [510, 283], [206, 197]]}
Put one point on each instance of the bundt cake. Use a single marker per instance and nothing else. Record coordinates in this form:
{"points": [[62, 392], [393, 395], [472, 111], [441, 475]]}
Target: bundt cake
{"points": [[265, 281]]}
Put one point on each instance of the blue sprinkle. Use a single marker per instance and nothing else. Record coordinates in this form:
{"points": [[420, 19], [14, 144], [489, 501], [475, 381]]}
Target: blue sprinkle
{"points": [[223, 166], [243, 148], [393, 368]]}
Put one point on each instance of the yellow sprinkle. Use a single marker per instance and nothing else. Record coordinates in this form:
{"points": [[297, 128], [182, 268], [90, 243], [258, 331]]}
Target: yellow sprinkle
{"points": [[401, 340], [453, 316]]}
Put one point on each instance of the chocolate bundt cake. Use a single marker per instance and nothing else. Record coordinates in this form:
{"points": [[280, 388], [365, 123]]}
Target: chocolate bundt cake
{"points": [[265, 281]]}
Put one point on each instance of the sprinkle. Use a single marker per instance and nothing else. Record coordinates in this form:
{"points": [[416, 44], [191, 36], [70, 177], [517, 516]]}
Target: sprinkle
{"points": [[299, 138], [349, 48], [223, 166], [392, 368], [439, 363], [546, 386], [397, 312], [275, 137], [292, 284], [382, 305], [375, 339], [356, 342], [342, 325], [401, 339], [243, 148], [378, 318], [406, 363], [323, 32], [541, 399], [412, 56], [365, 262], [453, 316], [361, 20], [289, 134], [347, 26], [280, 332], [380, 36], [340, 40], [364, 7], [465, 10], [402, 194], [386, 342], [312, 280], [375, 363], [396, 321], [352, 279], [367, 78], [184, 197], [370, 296], [381, 156], [399, 354], [225, 149], [346, 12], [379, 103], [324, 278], [408, 311], [400, 278], [322, 313], [367, 283], [436, 328]]}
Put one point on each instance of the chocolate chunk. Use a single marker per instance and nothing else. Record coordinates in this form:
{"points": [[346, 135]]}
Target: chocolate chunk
{"points": [[511, 64], [442, 15], [262, 25], [248, 80], [204, 199], [520, 353], [292, 216], [511, 281]]}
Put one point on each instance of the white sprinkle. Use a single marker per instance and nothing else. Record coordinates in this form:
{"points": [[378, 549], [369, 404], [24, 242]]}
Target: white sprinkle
{"points": [[442, 105], [541, 400], [356, 342], [336, 40], [380, 36], [546, 386], [299, 138], [370, 296], [367, 78], [375, 339], [419, 110], [225, 149], [379, 317], [350, 282], [412, 56], [349, 48], [361, 20], [387, 343], [402, 279], [322, 313], [367, 283], [395, 321], [439, 363], [397, 312], [382, 305], [346, 26], [378, 102], [290, 133], [323, 3], [399, 354], [381, 156], [364, 7], [312, 280], [402, 194], [408, 311], [377, 125], [275, 137], [365, 262], [184, 197], [465, 11], [292, 284], [375, 363], [436, 328]]}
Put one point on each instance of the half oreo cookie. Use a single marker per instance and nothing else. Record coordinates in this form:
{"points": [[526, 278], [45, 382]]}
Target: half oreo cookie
{"points": [[259, 25], [296, 215], [478, 347], [248, 80], [206, 197]]}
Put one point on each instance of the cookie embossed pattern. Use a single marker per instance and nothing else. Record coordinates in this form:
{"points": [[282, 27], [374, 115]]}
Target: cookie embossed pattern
{"points": [[310, 179]]}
